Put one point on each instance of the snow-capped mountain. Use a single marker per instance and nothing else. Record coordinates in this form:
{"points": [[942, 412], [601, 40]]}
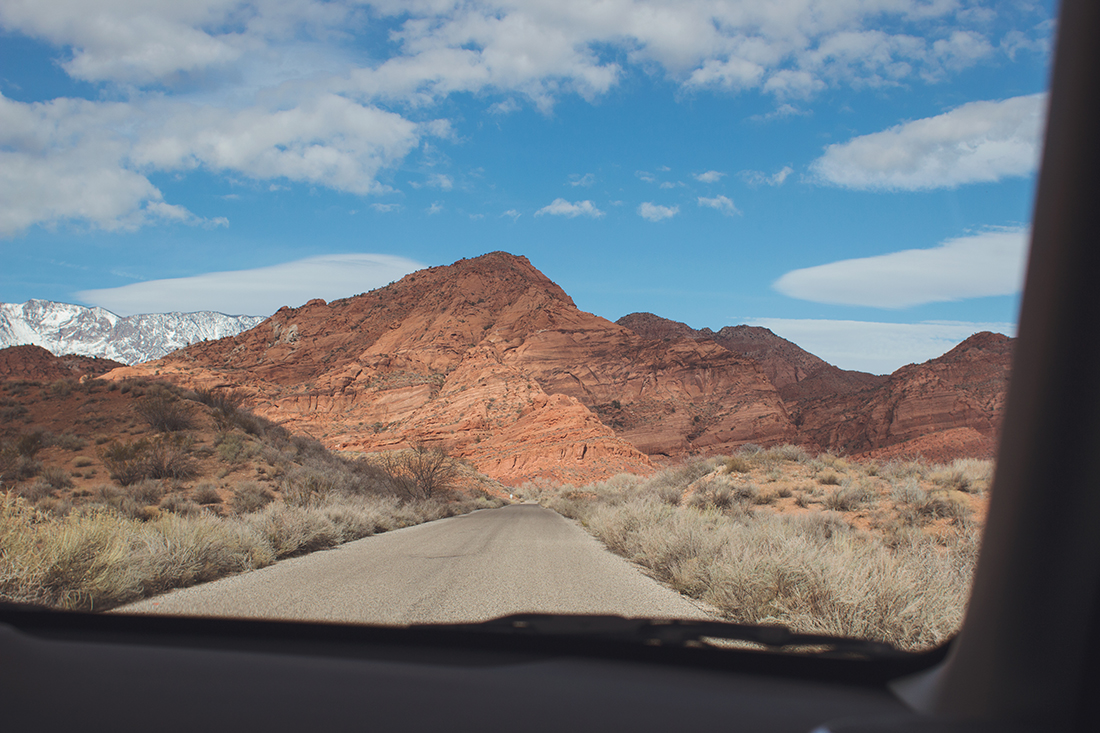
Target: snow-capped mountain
{"points": [[62, 328]]}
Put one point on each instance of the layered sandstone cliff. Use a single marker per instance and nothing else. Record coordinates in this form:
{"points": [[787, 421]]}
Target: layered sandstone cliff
{"points": [[492, 359]]}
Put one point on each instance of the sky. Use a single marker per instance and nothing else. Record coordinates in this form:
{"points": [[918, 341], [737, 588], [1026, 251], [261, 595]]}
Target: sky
{"points": [[855, 175]]}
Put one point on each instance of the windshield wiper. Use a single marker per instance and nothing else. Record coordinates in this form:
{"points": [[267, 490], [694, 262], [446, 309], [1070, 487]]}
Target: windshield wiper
{"points": [[675, 632]]}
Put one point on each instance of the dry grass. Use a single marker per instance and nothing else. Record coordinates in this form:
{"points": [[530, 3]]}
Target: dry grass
{"points": [[101, 556], [887, 554], [234, 493]]}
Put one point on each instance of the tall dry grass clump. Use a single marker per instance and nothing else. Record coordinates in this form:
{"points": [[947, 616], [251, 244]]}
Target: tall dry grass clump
{"points": [[812, 567]]}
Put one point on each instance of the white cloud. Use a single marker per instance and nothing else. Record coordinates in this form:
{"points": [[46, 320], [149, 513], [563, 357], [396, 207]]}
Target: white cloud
{"points": [[280, 91], [646, 176], [721, 203], [385, 208], [89, 162], [507, 107], [512, 213], [435, 180], [780, 112], [260, 291], [879, 348], [561, 207], [435, 208], [759, 178], [709, 176], [984, 264], [586, 180], [656, 212], [977, 142]]}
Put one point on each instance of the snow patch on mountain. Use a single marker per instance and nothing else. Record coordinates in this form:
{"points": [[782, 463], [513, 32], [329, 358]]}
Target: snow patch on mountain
{"points": [[63, 328]]}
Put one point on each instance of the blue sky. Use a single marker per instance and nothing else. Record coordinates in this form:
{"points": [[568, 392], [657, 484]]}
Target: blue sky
{"points": [[856, 175]]}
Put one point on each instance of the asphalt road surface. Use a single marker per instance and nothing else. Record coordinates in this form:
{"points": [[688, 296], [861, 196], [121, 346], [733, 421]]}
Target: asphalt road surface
{"points": [[517, 559]]}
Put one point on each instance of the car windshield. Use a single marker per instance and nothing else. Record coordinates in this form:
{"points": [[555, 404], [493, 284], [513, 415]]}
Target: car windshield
{"points": [[441, 312]]}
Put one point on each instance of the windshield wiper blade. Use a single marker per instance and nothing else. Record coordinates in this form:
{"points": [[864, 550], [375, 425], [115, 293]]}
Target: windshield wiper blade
{"points": [[675, 632]]}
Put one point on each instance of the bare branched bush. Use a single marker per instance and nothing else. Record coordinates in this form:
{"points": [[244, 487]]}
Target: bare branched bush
{"points": [[164, 412], [422, 472]]}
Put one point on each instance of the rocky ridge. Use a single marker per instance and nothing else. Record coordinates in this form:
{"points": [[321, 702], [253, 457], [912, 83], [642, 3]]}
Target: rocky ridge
{"points": [[39, 364], [491, 359]]}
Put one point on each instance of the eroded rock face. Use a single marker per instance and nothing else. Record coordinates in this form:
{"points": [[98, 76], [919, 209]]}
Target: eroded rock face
{"points": [[491, 358], [962, 390], [796, 373]]}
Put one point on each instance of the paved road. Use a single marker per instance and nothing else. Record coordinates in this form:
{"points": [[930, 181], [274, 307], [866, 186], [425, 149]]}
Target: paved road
{"points": [[520, 558]]}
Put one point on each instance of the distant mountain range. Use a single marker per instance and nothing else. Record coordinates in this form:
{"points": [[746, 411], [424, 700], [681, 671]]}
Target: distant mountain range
{"points": [[63, 328]]}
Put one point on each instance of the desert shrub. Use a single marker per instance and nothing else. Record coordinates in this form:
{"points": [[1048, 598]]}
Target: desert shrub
{"points": [[35, 491], [784, 492], [421, 472], [67, 441], [849, 497], [250, 497], [292, 530], [811, 572], [58, 478], [165, 456], [61, 388], [670, 494], [828, 478], [738, 464], [147, 492], [168, 456], [19, 468], [942, 505], [206, 493], [181, 505], [230, 447], [82, 461], [164, 412], [125, 461], [27, 445], [225, 401], [907, 491]]}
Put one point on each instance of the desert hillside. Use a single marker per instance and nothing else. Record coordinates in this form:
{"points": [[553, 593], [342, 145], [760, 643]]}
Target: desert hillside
{"points": [[494, 361]]}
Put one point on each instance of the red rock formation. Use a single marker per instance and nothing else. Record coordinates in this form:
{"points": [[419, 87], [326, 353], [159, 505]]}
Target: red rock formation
{"points": [[795, 372], [963, 389], [493, 359], [34, 362]]}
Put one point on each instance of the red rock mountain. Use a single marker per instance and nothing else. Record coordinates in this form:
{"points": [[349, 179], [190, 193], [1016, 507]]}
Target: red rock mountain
{"points": [[34, 362], [493, 360], [795, 372], [948, 407]]}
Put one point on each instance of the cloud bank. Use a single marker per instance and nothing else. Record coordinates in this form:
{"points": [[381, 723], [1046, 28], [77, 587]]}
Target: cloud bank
{"points": [[978, 142], [281, 92], [990, 263], [258, 292]]}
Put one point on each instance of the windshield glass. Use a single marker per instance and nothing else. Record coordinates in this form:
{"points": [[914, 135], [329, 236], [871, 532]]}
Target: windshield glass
{"points": [[676, 310]]}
